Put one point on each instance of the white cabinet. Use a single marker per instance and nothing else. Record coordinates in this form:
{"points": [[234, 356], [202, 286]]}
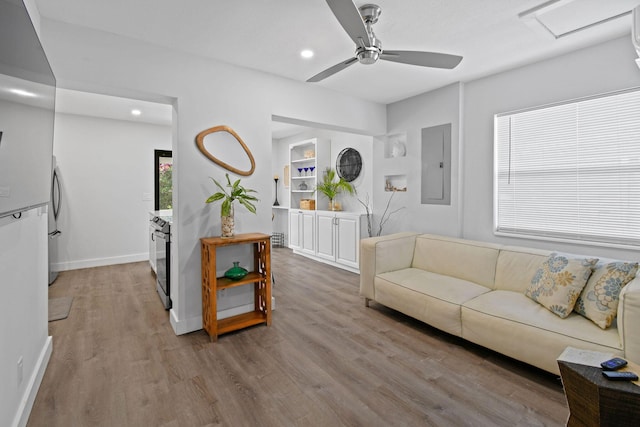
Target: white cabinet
{"points": [[294, 229], [302, 230], [326, 235], [331, 237], [307, 231], [338, 237]]}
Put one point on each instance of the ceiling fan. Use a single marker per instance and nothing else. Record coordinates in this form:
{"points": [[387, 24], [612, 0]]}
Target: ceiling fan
{"points": [[358, 23]]}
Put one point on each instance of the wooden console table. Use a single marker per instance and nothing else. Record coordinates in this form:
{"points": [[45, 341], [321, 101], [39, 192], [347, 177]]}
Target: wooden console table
{"points": [[260, 277], [596, 401]]}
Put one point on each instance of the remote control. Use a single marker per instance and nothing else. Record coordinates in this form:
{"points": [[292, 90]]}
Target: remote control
{"points": [[620, 376], [613, 364]]}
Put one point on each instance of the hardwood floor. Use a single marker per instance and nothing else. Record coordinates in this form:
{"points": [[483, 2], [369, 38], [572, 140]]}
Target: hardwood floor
{"points": [[326, 361]]}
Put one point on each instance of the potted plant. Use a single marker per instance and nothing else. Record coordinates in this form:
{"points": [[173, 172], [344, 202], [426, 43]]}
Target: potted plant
{"points": [[232, 193], [331, 187]]}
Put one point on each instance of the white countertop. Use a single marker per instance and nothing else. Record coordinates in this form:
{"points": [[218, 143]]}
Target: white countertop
{"points": [[165, 214]]}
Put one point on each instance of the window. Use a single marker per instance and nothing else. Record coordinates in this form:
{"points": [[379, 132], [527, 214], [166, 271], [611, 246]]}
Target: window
{"points": [[570, 171], [163, 167]]}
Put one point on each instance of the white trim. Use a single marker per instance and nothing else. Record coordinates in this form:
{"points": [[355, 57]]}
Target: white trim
{"points": [[26, 403], [569, 101], [100, 262], [571, 241], [181, 327]]}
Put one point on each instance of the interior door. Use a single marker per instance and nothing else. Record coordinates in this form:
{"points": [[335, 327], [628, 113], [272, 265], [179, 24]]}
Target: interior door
{"points": [[436, 165]]}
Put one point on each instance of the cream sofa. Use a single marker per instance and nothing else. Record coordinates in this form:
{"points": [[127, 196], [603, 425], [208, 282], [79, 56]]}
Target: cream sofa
{"points": [[476, 291]]}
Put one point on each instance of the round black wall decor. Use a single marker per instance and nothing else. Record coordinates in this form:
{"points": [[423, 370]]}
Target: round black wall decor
{"points": [[349, 164]]}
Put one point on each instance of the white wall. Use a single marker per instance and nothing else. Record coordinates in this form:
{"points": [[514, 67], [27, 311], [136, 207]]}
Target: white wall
{"points": [[23, 318], [599, 69], [105, 167], [409, 116], [470, 108], [206, 93]]}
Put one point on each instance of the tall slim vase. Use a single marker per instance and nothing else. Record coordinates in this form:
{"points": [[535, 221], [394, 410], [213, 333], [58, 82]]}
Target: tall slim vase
{"points": [[228, 224]]}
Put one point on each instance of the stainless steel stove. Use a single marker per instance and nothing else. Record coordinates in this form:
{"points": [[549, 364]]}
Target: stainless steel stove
{"points": [[162, 239]]}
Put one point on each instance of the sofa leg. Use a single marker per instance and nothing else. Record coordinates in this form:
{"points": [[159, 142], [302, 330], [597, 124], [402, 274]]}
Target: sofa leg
{"points": [[366, 302]]}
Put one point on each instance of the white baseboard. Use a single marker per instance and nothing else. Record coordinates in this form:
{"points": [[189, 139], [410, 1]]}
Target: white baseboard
{"points": [[99, 262], [26, 403], [181, 327]]}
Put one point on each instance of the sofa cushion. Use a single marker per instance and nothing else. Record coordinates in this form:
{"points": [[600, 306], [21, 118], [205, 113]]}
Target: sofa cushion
{"points": [[463, 259], [599, 298], [516, 266], [432, 298], [512, 324], [558, 282]]}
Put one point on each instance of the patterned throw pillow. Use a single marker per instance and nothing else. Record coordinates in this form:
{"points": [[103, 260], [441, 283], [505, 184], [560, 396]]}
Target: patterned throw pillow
{"points": [[599, 299], [558, 282]]}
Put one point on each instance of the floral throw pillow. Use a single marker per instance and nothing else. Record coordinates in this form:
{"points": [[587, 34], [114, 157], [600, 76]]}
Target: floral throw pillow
{"points": [[559, 281], [599, 299]]}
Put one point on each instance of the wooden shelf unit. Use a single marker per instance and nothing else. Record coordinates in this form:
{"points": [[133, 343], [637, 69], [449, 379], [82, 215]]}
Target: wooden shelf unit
{"points": [[260, 277]]}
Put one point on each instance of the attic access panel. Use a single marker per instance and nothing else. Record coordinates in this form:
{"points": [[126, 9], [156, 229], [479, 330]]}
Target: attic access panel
{"points": [[349, 164], [560, 18]]}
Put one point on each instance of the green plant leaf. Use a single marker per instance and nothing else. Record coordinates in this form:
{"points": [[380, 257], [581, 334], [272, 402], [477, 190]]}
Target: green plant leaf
{"points": [[250, 207], [225, 210], [219, 186], [231, 193], [215, 197]]}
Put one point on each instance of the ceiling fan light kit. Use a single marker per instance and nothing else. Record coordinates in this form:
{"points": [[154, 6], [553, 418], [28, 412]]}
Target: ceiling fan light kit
{"points": [[358, 23]]}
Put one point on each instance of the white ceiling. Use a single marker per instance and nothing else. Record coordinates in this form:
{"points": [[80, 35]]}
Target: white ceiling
{"points": [[269, 35], [112, 107]]}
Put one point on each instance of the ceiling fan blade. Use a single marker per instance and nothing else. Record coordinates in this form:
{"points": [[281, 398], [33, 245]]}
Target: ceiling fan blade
{"points": [[332, 70], [423, 59], [349, 17]]}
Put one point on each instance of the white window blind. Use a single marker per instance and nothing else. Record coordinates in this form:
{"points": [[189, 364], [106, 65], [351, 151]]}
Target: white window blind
{"points": [[571, 171]]}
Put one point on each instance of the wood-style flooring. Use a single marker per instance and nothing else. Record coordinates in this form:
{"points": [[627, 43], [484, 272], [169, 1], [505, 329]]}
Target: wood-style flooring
{"points": [[326, 360]]}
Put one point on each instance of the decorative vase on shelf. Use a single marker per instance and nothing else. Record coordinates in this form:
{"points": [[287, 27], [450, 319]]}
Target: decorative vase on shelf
{"points": [[302, 186], [228, 223], [236, 272]]}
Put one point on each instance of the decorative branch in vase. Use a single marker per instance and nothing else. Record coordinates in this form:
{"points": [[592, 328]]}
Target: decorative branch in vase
{"points": [[229, 195], [386, 215]]}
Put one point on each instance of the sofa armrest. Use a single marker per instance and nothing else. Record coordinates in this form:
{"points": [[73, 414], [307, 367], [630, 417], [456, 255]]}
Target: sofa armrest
{"points": [[381, 254], [629, 320]]}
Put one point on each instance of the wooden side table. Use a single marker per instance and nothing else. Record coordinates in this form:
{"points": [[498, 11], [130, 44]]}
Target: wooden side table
{"points": [[260, 277], [596, 401]]}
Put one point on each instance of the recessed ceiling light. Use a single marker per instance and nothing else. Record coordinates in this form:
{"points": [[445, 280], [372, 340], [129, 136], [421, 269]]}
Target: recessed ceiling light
{"points": [[307, 53], [136, 112], [22, 92]]}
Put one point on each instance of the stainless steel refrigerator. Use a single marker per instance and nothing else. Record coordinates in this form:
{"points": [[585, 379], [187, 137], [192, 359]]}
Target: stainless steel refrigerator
{"points": [[55, 203]]}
